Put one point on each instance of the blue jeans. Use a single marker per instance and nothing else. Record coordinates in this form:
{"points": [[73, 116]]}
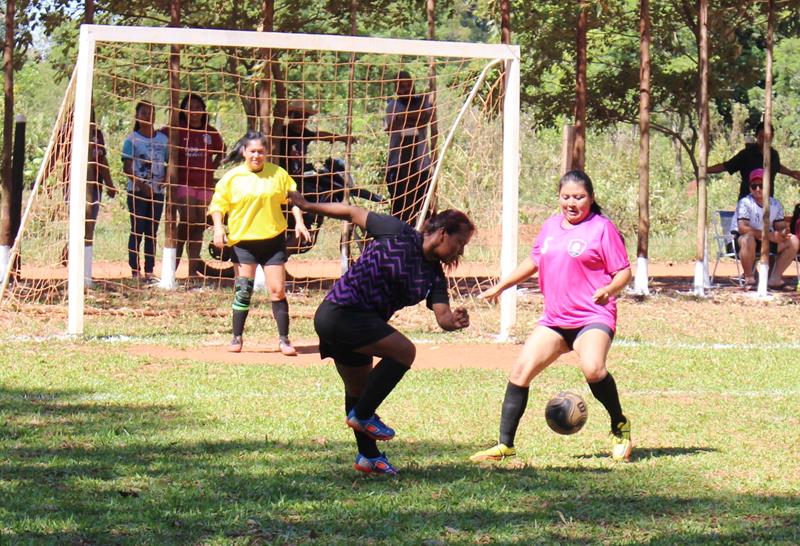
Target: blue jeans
{"points": [[145, 214]]}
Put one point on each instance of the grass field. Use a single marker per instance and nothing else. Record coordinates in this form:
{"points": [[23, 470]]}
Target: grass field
{"points": [[101, 446]]}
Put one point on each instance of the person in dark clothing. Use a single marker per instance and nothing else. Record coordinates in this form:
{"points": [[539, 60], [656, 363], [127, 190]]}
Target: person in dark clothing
{"points": [[401, 267], [748, 159]]}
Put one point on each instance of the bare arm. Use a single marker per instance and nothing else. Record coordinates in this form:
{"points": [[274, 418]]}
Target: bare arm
{"points": [[220, 238], [789, 172], [450, 319], [716, 169], [524, 271], [617, 284], [341, 211], [300, 227]]}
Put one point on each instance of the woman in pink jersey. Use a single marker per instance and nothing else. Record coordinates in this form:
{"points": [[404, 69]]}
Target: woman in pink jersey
{"points": [[582, 265], [200, 151]]}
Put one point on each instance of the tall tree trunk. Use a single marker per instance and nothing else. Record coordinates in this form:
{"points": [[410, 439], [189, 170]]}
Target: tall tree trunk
{"points": [[702, 190], [6, 235], [767, 144], [505, 21], [88, 12], [170, 212], [581, 91], [264, 91], [643, 231], [434, 124], [644, 129]]}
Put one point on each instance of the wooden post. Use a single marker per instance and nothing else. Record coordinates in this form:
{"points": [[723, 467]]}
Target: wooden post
{"points": [[347, 228], [169, 256], [567, 147], [643, 232], [700, 272], [6, 235], [763, 265], [264, 93], [88, 12], [505, 21], [581, 90]]}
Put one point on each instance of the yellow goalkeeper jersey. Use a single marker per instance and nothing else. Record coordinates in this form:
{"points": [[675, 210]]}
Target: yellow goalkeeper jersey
{"points": [[253, 202]]}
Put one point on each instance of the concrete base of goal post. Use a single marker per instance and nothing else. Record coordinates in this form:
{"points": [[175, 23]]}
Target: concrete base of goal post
{"points": [[640, 281], [87, 266], [169, 259], [699, 286], [5, 257], [763, 274]]}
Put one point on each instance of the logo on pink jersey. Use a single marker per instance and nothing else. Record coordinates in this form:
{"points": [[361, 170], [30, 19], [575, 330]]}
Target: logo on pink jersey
{"points": [[575, 247]]}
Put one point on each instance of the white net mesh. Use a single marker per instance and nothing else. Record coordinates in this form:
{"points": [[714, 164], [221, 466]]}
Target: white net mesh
{"points": [[335, 122]]}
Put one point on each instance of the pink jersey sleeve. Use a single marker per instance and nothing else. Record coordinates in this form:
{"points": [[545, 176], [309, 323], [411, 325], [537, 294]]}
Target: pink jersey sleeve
{"points": [[613, 249]]}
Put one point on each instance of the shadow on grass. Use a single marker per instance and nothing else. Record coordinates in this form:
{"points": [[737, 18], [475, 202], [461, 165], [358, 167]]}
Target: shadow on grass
{"points": [[74, 470], [647, 453]]}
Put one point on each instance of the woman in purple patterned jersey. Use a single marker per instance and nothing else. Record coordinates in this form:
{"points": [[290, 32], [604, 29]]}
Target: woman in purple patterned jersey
{"points": [[401, 267]]}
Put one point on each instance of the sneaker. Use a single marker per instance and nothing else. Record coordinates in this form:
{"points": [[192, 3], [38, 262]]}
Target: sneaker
{"points": [[236, 345], [621, 445], [494, 453], [374, 465], [372, 427], [286, 348]]}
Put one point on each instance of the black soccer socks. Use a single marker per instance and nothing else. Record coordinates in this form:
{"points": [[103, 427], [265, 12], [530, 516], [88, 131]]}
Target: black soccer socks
{"points": [[514, 404], [280, 310], [605, 391], [383, 378]]}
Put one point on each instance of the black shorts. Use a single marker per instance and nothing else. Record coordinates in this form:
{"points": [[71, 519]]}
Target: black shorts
{"points": [[571, 334], [773, 247], [261, 251], [343, 329]]}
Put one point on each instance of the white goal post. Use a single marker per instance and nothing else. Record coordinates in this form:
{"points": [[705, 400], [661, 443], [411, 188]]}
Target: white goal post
{"points": [[92, 35]]}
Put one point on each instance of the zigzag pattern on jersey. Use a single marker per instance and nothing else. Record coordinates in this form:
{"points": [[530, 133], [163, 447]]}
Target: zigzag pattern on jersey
{"points": [[391, 274]]}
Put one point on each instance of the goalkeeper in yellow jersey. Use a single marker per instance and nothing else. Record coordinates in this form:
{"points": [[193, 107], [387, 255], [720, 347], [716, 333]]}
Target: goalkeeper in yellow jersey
{"points": [[251, 195]]}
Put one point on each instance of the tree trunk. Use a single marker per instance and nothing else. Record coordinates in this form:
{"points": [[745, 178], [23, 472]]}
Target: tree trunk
{"points": [[6, 235], [434, 124], [88, 12], [264, 92], [170, 218], [505, 21], [702, 190], [581, 91], [767, 143], [644, 129]]}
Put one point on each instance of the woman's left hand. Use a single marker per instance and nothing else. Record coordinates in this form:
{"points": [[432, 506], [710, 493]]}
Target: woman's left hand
{"points": [[302, 233], [601, 296]]}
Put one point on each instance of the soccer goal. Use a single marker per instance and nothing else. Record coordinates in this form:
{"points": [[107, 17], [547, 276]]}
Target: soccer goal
{"points": [[402, 127]]}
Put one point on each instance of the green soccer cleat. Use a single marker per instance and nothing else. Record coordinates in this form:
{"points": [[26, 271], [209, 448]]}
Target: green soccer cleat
{"points": [[494, 453], [621, 445]]}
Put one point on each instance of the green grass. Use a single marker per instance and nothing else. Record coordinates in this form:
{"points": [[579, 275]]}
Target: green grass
{"points": [[98, 446]]}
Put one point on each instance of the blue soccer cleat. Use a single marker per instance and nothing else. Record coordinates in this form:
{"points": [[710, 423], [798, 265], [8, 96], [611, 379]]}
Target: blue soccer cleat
{"points": [[372, 427], [374, 465]]}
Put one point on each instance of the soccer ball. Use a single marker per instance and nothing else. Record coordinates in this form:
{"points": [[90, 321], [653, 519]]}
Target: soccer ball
{"points": [[566, 413]]}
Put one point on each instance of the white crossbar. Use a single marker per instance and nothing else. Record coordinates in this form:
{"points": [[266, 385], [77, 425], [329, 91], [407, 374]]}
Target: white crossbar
{"points": [[282, 40]]}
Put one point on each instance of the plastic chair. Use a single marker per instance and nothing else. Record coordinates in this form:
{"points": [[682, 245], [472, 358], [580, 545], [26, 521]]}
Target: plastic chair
{"points": [[722, 222]]}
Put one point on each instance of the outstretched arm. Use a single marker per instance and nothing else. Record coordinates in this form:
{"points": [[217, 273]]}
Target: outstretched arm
{"points": [[524, 271], [342, 211], [715, 169], [789, 172]]}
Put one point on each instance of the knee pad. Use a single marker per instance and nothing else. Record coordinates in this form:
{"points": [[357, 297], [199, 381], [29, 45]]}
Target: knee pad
{"points": [[243, 291]]}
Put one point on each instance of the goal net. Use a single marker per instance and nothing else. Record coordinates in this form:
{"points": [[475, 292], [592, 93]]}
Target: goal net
{"points": [[398, 126]]}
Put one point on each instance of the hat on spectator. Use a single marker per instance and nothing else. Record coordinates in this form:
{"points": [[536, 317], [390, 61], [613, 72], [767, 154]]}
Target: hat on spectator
{"points": [[756, 174]]}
